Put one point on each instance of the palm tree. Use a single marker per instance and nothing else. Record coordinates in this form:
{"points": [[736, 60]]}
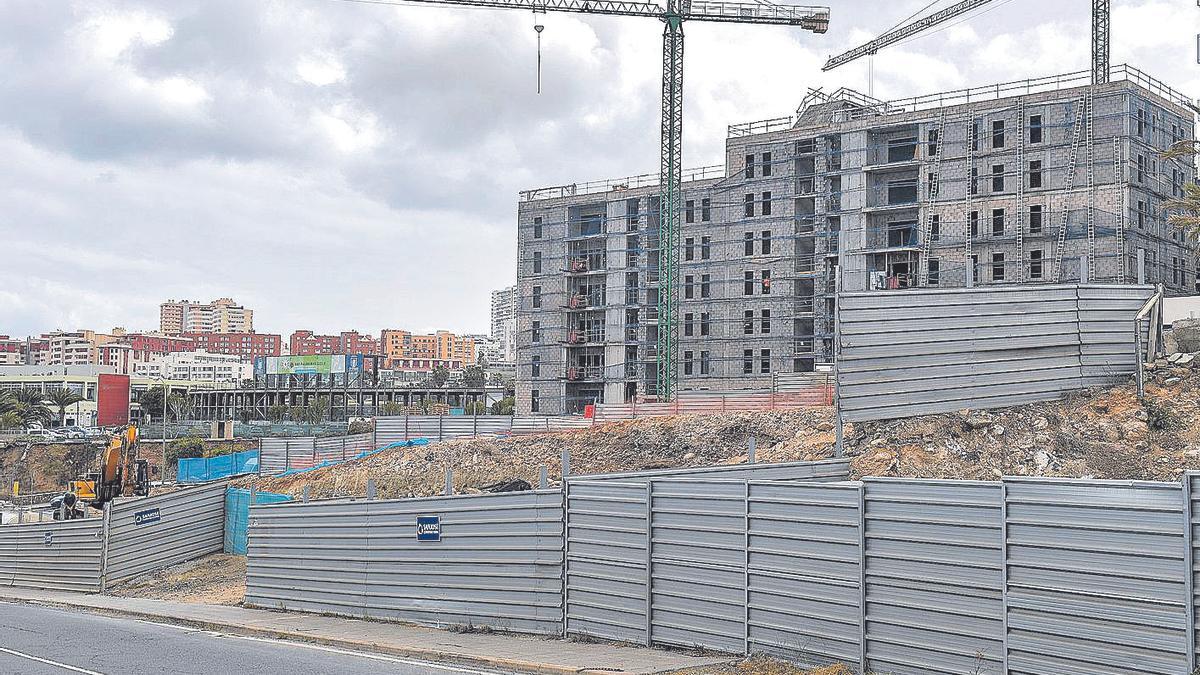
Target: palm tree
{"points": [[30, 406], [1185, 210], [62, 398]]}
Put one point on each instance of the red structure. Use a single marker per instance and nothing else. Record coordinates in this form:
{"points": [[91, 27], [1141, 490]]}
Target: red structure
{"points": [[147, 346], [306, 343], [245, 345], [112, 400]]}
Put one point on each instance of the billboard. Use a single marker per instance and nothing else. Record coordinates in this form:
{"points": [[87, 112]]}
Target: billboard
{"points": [[312, 364], [112, 400]]}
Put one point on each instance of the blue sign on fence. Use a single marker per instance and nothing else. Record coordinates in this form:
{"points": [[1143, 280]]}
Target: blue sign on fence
{"points": [[429, 528], [146, 517]]}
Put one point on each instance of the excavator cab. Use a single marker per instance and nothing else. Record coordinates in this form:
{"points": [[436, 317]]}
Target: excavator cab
{"points": [[120, 474]]}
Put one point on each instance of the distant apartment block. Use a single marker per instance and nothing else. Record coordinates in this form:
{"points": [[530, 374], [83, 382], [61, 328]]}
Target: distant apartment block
{"points": [[245, 345], [12, 352], [1043, 181], [197, 366], [305, 342], [504, 322], [222, 315], [405, 350]]}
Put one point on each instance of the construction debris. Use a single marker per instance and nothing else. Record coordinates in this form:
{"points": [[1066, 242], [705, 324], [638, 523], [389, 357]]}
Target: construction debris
{"points": [[1103, 433]]}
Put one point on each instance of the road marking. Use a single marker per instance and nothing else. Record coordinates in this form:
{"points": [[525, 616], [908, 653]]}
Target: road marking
{"points": [[39, 659]]}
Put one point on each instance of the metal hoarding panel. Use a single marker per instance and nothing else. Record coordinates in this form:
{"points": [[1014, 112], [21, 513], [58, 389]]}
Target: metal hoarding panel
{"points": [[932, 351], [606, 560], [277, 455], [1094, 577], [151, 533], [804, 572], [61, 556], [698, 563], [498, 563], [934, 576], [820, 470]]}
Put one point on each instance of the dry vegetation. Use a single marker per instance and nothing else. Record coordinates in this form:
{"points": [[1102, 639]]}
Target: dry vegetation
{"points": [[216, 579], [1104, 433]]}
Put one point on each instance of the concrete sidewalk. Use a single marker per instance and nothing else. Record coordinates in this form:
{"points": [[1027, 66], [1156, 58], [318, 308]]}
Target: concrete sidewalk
{"points": [[493, 651]]}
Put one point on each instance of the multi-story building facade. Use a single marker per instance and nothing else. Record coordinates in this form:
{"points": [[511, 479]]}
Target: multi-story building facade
{"points": [[245, 345], [12, 352], [1031, 182], [403, 349], [197, 367], [504, 323], [305, 342], [222, 315]]}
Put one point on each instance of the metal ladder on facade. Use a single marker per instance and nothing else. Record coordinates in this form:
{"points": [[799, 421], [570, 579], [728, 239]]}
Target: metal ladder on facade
{"points": [[1076, 134], [1020, 207], [968, 250], [933, 188], [1091, 186], [1119, 173]]}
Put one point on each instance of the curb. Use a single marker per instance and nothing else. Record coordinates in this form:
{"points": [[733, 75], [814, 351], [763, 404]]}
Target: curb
{"points": [[432, 655]]}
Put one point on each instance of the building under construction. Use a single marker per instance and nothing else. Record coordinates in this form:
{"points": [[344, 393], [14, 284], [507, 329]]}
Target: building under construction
{"points": [[1038, 181]]}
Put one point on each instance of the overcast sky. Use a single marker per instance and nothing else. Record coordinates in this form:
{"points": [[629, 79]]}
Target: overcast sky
{"points": [[336, 165]]}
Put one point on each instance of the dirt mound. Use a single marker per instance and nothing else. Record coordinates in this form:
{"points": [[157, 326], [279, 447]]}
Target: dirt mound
{"points": [[217, 579], [684, 440], [1103, 433]]}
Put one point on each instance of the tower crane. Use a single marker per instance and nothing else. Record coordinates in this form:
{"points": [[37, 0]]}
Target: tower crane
{"points": [[815, 19], [1101, 47]]}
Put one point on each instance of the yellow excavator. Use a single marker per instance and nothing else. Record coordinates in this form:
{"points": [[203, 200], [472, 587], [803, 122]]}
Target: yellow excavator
{"points": [[121, 474]]}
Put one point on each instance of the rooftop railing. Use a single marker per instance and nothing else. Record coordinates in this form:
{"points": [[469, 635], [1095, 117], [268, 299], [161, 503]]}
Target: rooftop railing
{"points": [[617, 184], [990, 92]]}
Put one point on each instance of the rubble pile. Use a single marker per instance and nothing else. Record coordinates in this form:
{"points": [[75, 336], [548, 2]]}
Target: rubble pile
{"points": [[659, 442], [1102, 433]]}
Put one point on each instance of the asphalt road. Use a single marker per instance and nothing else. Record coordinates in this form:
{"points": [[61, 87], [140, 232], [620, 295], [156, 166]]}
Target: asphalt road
{"points": [[42, 640]]}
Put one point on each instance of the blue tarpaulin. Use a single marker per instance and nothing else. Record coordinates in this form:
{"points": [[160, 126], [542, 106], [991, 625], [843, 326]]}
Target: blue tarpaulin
{"points": [[237, 516], [211, 468]]}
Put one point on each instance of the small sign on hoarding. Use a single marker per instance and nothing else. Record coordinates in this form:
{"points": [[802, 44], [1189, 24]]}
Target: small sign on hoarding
{"points": [[146, 517], [429, 528]]}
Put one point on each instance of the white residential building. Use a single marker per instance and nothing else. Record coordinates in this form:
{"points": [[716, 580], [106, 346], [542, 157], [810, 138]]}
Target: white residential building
{"points": [[504, 322], [198, 366]]}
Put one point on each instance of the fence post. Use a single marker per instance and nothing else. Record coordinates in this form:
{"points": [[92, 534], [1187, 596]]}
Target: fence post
{"points": [[375, 433], [370, 488], [566, 529], [304, 496], [441, 427], [1004, 571], [862, 577], [449, 481], [649, 562], [105, 525], [751, 444], [746, 568], [543, 478], [566, 463], [406, 425], [287, 453], [344, 446], [1189, 572]]}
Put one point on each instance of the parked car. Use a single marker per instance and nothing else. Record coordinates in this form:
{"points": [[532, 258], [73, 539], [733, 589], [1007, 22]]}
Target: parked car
{"points": [[40, 435], [73, 433]]}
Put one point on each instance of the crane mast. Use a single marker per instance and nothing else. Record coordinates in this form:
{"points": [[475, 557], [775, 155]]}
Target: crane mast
{"points": [[815, 19]]}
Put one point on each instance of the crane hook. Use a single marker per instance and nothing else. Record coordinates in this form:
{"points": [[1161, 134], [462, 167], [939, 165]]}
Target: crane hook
{"points": [[538, 28]]}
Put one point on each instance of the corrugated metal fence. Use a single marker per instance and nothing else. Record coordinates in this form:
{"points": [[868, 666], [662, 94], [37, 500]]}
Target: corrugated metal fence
{"points": [[164, 530], [927, 351], [499, 562], [1040, 576], [134, 537], [56, 555]]}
